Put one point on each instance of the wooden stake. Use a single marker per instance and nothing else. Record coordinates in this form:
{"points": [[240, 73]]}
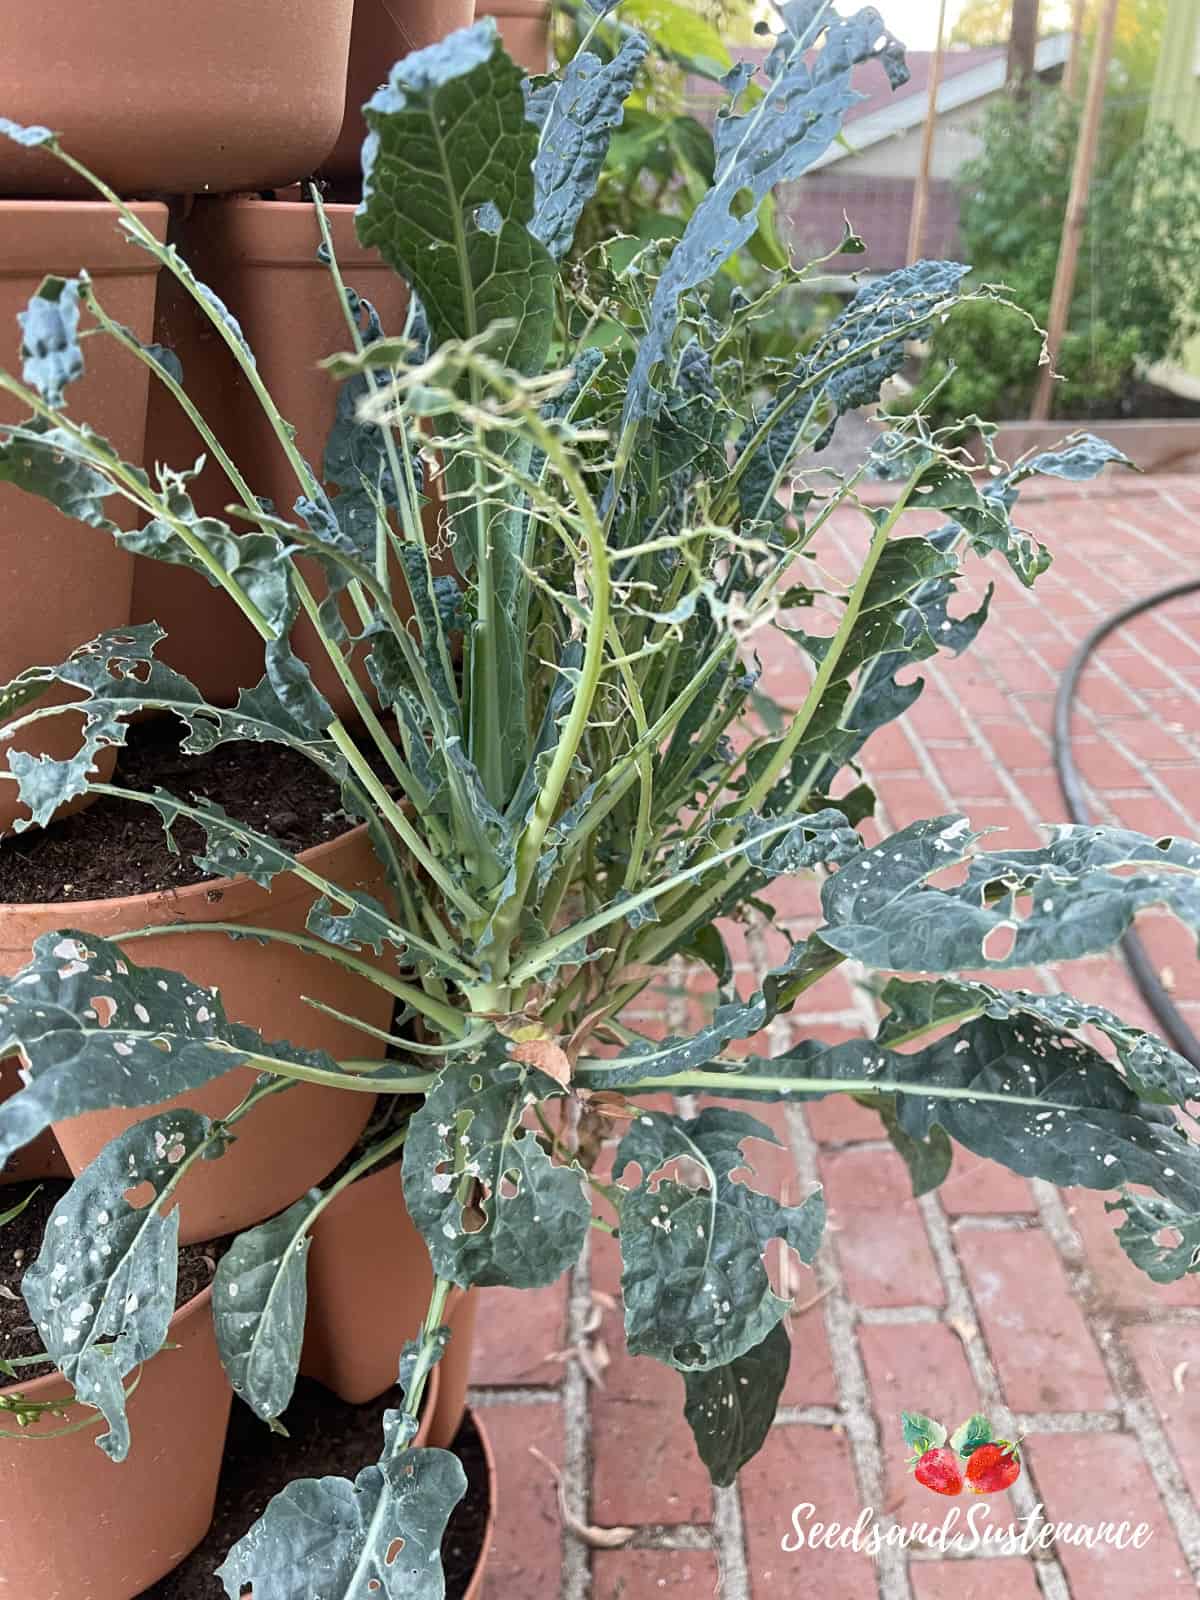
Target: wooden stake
{"points": [[1081, 179], [916, 222], [1070, 82]]}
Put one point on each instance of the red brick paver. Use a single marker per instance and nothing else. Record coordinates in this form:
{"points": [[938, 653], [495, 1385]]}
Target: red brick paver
{"points": [[994, 1294]]}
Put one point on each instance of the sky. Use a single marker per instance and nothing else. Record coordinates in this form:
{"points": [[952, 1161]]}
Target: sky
{"points": [[915, 21]]}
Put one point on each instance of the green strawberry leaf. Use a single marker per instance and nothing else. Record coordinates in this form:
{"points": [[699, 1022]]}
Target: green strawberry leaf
{"points": [[969, 1435], [921, 1433]]}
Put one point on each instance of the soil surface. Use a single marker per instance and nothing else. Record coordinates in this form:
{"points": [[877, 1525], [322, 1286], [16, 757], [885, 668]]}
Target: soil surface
{"points": [[20, 1242], [327, 1437], [119, 847]]}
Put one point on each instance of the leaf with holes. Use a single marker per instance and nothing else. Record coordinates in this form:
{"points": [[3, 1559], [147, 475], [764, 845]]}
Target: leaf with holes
{"points": [[46, 461], [730, 1409], [1159, 1236], [576, 112], [772, 142], [260, 1297], [96, 1033], [1154, 1070], [1015, 1090], [469, 1159], [116, 675], [1014, 908], [695, 1287], [379, 1536], [102, 1290]]}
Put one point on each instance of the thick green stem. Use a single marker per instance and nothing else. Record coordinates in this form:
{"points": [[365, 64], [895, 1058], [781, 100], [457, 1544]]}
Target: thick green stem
{"points": [[590, 672]]}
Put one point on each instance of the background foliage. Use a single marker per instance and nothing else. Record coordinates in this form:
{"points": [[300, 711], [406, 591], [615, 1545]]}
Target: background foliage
{"points": [[1137, 294]]}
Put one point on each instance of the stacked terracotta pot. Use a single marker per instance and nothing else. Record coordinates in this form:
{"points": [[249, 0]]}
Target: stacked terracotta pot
{"points": [[201, 114], [524, 26]]}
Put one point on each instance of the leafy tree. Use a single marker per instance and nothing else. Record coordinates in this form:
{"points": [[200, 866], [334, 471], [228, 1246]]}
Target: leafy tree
{"points": [[1137, 293], [1135, 41]]}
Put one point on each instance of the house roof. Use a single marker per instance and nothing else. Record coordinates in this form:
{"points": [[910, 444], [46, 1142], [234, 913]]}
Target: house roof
{"points": [[967, 75]]}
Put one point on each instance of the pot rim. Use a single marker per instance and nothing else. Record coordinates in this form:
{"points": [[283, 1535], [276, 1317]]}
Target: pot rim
{"points": [[83, 226], [39, 1388], [61, 910], [250, 232], [511, 8], [475, 1586]]}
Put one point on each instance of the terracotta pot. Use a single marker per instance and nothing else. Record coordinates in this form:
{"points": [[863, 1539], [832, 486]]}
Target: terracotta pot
{"points": [[455, 1365], [369, 1281], [384, 31], [43, 1157], [524, 28], [75, 1523], [171, 97], [293, 1140], [61, 583], [260, 257], [475, 1587]]}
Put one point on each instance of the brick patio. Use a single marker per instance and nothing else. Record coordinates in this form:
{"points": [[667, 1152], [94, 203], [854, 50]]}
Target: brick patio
{"points": [[993, 1294]]}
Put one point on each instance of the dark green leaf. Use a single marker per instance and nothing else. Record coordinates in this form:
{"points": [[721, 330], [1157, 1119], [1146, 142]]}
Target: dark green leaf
{"points": [[467, 1147], [1159, 1236], [576, 114], [928, 1160], [448, 192], [695, 1288], [730, 1409], [96, 1033], [1153, 1068], [1013, 909]]}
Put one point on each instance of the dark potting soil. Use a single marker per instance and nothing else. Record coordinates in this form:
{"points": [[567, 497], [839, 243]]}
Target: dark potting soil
{"points": [[327, 1436], [20, 1242], [119, 847]]}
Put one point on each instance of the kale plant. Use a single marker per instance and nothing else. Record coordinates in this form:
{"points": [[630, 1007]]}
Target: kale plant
{"points": [[585, 779]]}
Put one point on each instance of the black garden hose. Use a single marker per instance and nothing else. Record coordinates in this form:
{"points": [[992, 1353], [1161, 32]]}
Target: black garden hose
{"points": [[1162, 1007]]}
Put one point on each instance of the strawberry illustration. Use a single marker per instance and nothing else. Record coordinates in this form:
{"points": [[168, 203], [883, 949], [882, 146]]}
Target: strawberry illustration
{"points": [[993, 1467], [939, 1470]]}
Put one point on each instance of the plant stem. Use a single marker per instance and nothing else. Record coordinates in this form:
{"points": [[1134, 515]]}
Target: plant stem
{"points": [[445, 1016], [591, 1073]]}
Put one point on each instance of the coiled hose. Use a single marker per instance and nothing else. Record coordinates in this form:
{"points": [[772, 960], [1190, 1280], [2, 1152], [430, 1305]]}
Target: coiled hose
{"points": [[1162, 1007]]}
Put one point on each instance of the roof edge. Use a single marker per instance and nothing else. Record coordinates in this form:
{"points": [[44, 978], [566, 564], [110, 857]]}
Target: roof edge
{"points": [[961, 89]]}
